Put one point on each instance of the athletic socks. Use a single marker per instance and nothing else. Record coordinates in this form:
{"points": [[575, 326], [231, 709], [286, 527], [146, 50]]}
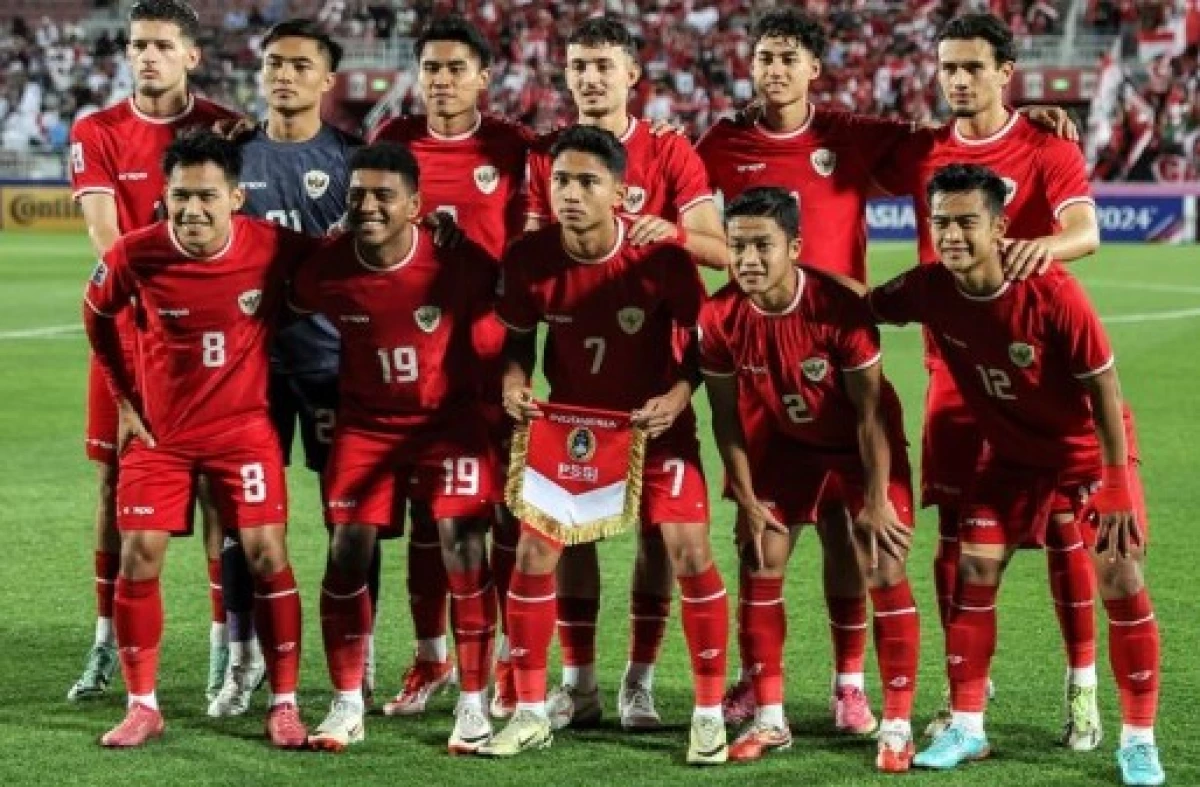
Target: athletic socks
{"points": [[107, 566], [346, 622], [1133, 647], [428, 587], [970, 644], [762, 630], [277, 619], [216, 597], [648, 624], [945, 563], [848, 628], [897, 633], [531, 615], [473, 615], [577, 632], [705, 608], [138, 619]]}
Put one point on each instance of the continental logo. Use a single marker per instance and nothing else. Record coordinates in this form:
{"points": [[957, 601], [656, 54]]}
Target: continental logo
{"points": [[40, 208]]}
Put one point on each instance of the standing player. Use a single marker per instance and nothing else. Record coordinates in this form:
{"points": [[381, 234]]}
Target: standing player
{"points": [[666, 197], [1035, 368], [208, 290], [408, 426], [612, 310], [116, 175], [473, 168], [1051, 216], [294, 173], [831, 437]]}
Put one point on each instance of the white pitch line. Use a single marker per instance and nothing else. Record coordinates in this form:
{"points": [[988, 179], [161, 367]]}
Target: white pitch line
{"points": [[41, 333], [1182, 289]]}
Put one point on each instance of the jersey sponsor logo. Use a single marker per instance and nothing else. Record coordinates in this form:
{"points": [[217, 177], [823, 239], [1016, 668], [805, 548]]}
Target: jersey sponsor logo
{"points": [[249, 301], [138, 510], [635, 199], [754, 369], [427, 318], [581, 444], [562, 319], [1021, 354], [1010, 190], [362, 319], [174, 313], [132, 176], [757, 166], [77, 162], [253, 185], [710, 654], [487, 178], [315, 183], [823, 161], [815, 369], [99, 273], [631, 319], [352, 503]]}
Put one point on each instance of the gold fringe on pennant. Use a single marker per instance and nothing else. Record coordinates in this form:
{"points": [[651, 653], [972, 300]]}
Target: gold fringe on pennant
{"points": [[577, 534]]}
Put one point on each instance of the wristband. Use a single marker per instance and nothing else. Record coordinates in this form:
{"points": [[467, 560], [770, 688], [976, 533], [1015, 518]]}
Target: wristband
{"points": [[1114, 490]]}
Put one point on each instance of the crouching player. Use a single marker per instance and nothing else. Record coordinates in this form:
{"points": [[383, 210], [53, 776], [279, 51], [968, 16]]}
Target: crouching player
{"points": [[408, 413], [831, 446], [208, 288], [1037, 372]]}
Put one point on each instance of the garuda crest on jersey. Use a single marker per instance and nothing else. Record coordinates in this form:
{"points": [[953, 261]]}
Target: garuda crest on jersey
{"points": [[630, 319], [427, 318], [815, 369], [823, 160], [487, 178], [635, 199], [1021, 354], [315, 183], [249, 302]]}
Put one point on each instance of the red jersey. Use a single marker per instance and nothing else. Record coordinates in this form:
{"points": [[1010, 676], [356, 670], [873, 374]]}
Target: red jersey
{"points": [[477, 177], [663, 176], [405, 330], [828, 164], [1044, 174], [609, 321], [792, 362], [1017, 357], [203, 324], [119, 151]]}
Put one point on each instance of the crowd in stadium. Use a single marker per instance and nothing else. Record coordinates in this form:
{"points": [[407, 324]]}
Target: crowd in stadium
{"points": [[880, 60]]}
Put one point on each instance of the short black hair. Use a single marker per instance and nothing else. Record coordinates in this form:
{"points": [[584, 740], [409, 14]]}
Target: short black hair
{"points": [[388, 157], [310, 30], [200, 146], [458, 29], [986, 26], [790, 23], [965, 178], [604, 31], [770, 202], [599, 142], [176, 11]]}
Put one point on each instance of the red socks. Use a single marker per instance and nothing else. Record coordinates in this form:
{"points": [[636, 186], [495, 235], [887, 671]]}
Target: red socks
{"points": [[762, 630], [897, 633], [427, 583], [216, 594], [945, 564], [138, 620], [277, 621], [473, 615], [1133, 647], [345, 625], [970, 644], [531, 609], [705, 608], [504, 560], [648, 623], [108, 565], [848, 626], [577, 630], [1072, 586]]}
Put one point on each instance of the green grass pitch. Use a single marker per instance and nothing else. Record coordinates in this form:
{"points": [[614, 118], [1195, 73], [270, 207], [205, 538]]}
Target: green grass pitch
{"points": [[1151, 296]]}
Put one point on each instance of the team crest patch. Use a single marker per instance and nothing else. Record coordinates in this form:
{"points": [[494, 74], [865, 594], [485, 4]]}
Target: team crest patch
{"points": [[249, 301], [823, 161], [315, 183], [1021, 354], [99, 273], [815, 369], [581, 444], [635, 199], [630, 319], [487, 178], [1010, 190], [427, 318]]}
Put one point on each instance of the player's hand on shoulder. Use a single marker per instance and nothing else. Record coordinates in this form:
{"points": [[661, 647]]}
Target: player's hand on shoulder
{"points": [[446, 232], [661, 128], [130, 425], [750, 114], [1025, 258], [651, 229], [520, 405], [1054, 119], [234, 129]]}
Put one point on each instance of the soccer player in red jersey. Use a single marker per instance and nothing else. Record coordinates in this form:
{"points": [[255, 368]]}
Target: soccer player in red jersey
{"points": [[666, 197], [577, 277], [1051, 216], [408, 414], [1036, 370], [473, 168], [208, 290], [116, 158], [829, 446]]}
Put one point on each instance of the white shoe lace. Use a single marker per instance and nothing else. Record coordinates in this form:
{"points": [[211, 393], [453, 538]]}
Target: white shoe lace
{"points": [[638, 701], [342, 717]]}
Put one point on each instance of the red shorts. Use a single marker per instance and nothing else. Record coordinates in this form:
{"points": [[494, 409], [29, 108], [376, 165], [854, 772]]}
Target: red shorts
{"points": [[796, 482], [448, 466], [156, 486], [100, 437], [673, 486], [951, 443]]}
